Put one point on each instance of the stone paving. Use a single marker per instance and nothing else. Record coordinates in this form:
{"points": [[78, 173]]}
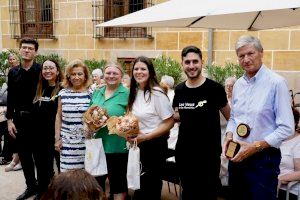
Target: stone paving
{"points": [[12, 184]]}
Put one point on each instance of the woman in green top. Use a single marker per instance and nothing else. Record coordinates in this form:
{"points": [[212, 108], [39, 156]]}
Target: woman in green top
{"points": [[114, 98]]}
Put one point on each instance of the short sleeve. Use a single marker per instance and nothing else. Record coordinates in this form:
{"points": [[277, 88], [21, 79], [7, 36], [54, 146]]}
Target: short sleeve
{"points": [[162, 105], [175, 99]]}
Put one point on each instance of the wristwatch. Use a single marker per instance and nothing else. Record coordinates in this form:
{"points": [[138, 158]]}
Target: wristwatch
{"points": [[258, 146]]}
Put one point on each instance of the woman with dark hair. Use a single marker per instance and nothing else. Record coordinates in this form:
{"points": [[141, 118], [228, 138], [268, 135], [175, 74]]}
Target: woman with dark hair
{"points": [[150, 104], [44, 112]]}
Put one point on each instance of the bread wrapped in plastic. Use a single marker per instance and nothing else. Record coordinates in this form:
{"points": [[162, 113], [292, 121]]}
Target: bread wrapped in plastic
{"points": [[95, 118], [125, 126]]}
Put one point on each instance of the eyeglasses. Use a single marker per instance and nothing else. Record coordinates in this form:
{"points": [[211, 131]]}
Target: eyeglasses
{"points": [[48, 68]]}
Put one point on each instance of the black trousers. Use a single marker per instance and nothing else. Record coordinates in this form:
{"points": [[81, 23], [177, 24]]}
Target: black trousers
{"points": [[153, 158], [8, 144], [25, 145], [34, 151]]}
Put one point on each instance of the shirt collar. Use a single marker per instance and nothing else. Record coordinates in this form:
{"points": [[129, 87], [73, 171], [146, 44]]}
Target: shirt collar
{"points": [[120, 89], [257, 76]]}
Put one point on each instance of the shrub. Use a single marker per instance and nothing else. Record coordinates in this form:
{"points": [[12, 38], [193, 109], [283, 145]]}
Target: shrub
{"points": [[94, 64], [61, 61], [168, 66], [220, 73], [3, 62]]}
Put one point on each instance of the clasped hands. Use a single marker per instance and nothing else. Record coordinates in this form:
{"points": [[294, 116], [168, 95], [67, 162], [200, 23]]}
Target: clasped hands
{"points": [[246, 149]]}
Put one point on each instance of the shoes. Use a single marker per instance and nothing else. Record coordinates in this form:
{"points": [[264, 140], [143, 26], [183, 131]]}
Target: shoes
{"points": [[10, 167], [26, 194], [17, 167], [4, 162]]}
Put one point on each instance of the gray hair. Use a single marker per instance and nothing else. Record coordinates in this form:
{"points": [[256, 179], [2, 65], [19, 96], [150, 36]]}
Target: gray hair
{"points": [[97, 72], [248, 40], [169, 80], [230, 79]]}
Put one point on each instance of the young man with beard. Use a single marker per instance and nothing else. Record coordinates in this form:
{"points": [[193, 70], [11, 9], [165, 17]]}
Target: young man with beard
{"points": [[197, 103], [22, 83]]}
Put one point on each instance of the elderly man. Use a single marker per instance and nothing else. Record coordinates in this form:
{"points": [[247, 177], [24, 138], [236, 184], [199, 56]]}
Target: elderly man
{"points": [[261, 118]]}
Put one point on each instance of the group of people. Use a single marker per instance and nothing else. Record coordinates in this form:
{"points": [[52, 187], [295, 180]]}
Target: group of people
{"points": [[46, 105]]}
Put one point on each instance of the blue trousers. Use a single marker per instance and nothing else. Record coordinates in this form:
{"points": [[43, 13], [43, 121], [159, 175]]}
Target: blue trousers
{"points": [[255, 178]]}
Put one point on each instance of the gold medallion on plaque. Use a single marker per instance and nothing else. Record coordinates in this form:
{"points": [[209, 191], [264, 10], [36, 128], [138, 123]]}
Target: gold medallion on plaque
{"points": [[232, 149], [243, 130]]}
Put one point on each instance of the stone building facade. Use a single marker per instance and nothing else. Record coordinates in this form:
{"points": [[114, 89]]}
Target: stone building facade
{"points": [[74, 38]]}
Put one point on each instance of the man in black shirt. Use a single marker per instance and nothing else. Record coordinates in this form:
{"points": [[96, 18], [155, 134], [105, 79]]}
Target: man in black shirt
{"points": [[197, 103], [22, 83]]}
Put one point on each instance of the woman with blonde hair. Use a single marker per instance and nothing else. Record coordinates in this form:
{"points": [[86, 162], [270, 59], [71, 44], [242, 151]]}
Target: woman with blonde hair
{"points": [[114, 98], [9, 147], [73, 101]]}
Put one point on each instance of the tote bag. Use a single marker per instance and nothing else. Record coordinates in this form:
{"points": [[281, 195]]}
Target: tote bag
{"points": [[133, 167], [95, 160]]}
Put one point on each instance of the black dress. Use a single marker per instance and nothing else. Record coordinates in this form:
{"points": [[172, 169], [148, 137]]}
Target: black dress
{"points": [[44, 113]]}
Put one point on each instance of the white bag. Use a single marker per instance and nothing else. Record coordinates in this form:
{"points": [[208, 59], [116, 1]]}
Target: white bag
{"points": [[95, 160], [133, 167]]}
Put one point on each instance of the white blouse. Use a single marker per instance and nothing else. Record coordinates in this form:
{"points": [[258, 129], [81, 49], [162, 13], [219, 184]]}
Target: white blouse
{"points": [[151, 113]]}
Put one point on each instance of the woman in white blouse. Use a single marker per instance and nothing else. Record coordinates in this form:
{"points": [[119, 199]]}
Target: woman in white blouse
{"points": [[150, 104]]}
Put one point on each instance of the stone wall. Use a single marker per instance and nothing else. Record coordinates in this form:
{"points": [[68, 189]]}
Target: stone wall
{"points": [[74, 39]]}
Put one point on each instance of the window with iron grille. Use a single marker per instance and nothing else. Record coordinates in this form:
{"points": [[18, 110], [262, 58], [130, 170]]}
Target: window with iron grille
{"points": [[31, 18], [105, 10]]}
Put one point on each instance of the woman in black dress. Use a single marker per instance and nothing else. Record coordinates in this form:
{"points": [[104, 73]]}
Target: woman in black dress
{"points": [[45, 107]]}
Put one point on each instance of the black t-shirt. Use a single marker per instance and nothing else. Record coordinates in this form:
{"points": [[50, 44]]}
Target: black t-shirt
{"points": [[44, 113], [199, 130]]}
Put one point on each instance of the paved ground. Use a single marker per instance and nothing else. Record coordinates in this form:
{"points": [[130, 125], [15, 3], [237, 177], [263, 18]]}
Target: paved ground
{"points": [[12, 184]]}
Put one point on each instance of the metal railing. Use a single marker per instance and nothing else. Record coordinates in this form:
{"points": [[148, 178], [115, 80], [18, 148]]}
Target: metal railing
{"points": [[31, 18], [104, 10]]}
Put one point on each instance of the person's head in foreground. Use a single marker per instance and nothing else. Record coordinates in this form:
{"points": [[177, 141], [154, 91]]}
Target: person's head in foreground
{"points": [[76, 184]]}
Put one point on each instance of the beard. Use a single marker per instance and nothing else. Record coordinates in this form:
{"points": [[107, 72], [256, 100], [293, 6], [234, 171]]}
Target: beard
{"points": [[195, 75]]}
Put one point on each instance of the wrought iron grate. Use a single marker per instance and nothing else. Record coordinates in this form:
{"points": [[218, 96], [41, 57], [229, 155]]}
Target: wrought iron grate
{"points": [[31, 18], [104, 10]]}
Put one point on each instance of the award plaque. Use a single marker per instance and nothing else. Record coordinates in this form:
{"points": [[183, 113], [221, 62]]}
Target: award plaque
{"points": [[243, 130], [232, 149]]}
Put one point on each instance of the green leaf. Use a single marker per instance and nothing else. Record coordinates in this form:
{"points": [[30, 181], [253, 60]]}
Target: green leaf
{"points": [[220, 73], [168, 66]]}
